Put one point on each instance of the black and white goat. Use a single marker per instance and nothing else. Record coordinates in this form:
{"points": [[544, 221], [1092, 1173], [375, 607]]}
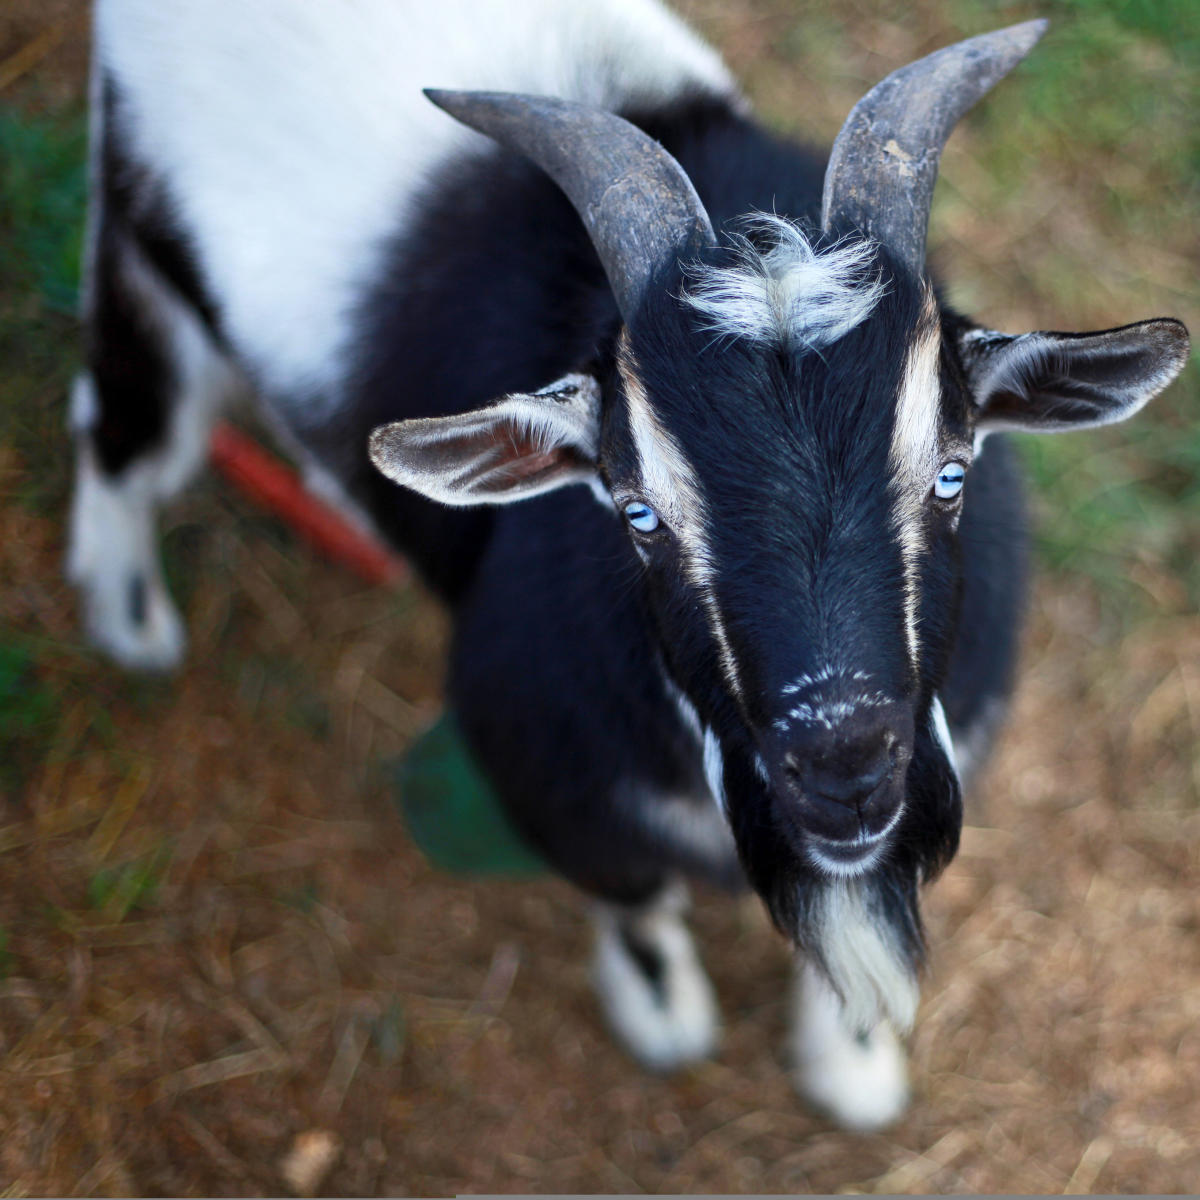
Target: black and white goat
{"points": [[760, 655]]}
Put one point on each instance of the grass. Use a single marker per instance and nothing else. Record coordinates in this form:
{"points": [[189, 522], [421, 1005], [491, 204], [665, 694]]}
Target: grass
{"points": [[42, 190], [116, 891], [42, 194], [28, 718]]}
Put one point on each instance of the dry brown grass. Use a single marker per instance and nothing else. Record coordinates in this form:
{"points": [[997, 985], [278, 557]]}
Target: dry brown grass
{"points": [[227, 967]]}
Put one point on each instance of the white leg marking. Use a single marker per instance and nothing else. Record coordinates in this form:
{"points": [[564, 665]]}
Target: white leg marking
{"points": [[667, 1024], [112, 554], [861, 1082], [113, 560]]}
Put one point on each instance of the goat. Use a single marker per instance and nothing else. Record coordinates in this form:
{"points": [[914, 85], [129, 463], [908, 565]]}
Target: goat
{"points": [[775, 629]]}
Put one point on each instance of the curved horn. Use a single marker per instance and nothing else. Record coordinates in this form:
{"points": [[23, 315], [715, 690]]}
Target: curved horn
{"points": [[639, 207], [884, 163]]}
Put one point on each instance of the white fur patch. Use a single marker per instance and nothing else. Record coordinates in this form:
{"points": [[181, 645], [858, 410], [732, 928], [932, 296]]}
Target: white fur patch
{"points": [[824, 675], [714, 768], [972, 743], [861, 1083], [663, 1029], [941, 731], [829, 714], [789, 294], [687, 710], [865, 967], [699, 829], [293, 135], [912, 458], [826, 713]]}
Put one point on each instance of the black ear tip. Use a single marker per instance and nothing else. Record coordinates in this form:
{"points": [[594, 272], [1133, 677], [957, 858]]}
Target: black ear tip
{"points": [[1176, 338], [1168, 333]]}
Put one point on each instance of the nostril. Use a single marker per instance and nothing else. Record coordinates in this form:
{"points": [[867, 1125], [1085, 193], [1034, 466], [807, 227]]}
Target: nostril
{"points": [[875, 772]]}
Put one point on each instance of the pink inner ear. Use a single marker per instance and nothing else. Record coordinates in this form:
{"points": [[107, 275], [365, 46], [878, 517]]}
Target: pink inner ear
{"points": [[521, 458], [525, 465]]}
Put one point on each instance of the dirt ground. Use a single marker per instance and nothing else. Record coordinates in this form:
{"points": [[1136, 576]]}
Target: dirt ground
{"points": [[218, 946]]}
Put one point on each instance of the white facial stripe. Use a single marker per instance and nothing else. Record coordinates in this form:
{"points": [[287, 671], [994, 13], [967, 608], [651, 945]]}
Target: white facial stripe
{"points": [[671, 486], [912, 459]]}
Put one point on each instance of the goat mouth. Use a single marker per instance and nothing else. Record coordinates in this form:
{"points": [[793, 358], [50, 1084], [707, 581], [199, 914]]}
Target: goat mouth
{"points": [[851, 856]]}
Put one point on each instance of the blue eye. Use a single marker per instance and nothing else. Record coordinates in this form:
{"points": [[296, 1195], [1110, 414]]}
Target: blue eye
{"points": [[641, 516], [949, 481]]}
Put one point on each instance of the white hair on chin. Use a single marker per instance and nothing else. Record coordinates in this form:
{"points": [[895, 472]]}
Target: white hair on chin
{"points": [[861, 959]]}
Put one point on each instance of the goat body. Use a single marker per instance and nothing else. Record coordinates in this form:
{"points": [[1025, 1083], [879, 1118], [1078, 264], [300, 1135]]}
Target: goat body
{"points": [[780, 639]]}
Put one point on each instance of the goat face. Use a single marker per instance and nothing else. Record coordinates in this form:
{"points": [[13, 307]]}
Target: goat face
{"points": [[775, 445]]}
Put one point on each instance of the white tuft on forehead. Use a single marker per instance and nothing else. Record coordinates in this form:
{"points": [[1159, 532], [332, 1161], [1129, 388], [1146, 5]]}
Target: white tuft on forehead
{"points": [[790, 294]]}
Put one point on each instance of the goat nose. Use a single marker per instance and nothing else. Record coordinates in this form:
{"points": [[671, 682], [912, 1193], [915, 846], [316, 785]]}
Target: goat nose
{"points": [[841, 781], [847, 775]]}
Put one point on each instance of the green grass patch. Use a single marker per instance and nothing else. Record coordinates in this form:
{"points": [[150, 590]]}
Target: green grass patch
{"points": [[29, 714], [43, 189], [1122, 505], [42, 200], [119, 890]]}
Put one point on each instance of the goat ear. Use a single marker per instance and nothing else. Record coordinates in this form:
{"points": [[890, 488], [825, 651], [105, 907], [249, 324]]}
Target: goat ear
{"points": [[521, 445], [1050, 382]]}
